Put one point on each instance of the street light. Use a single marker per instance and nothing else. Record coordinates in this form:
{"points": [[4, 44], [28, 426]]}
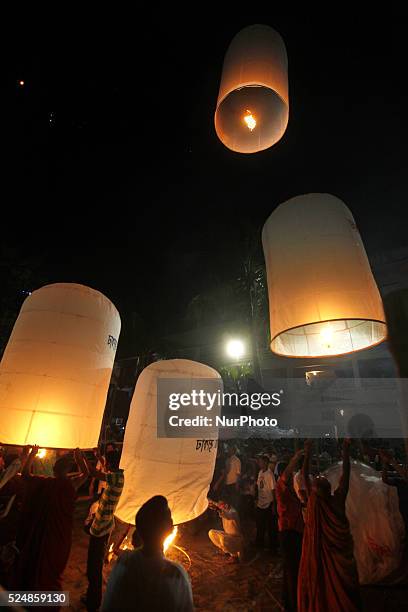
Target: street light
{"points": [[235, 349]]}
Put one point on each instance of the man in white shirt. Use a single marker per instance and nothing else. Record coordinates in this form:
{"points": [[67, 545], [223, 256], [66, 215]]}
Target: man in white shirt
{"points": [[230, 478], [230, 540], [265, 507], [232, 475], [143, 579]]}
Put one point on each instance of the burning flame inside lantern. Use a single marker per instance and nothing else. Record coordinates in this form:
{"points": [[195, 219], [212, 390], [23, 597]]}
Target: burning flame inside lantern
{"points": [[327, 335], [250, 120], [41, 453], [169, 540]]}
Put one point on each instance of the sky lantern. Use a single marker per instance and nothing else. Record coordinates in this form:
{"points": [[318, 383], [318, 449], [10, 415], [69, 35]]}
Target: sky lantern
{"points": [[56, 368], [181, 469], [323, 299], [253, 104]]}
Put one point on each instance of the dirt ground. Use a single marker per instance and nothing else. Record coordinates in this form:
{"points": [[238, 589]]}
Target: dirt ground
{"points": [[254, 586]]}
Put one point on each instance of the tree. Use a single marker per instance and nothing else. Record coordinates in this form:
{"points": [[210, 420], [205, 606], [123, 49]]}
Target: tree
{"points": [[19, 275], [241, 297]]}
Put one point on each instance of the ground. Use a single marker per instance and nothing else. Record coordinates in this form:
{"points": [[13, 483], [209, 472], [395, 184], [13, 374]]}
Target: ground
{"points": [[218, 585]]}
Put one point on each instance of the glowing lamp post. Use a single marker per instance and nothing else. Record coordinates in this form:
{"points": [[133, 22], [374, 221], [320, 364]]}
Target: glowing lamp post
{"points": [[323, 299], [235, 349], [56, 368], [253, 104]]}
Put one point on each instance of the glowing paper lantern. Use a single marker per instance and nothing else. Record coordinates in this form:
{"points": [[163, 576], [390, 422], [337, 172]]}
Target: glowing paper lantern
{"points": [[178, 468], [323, 299], [55, 371], [253, 104]]}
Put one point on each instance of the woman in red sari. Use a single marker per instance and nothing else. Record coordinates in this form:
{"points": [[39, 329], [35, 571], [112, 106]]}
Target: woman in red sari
{"points": [[328, 579], [44, 537]]}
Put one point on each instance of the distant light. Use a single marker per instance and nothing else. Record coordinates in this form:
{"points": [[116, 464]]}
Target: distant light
{"points": [[21, 83], [250, 120], [235, 349]]}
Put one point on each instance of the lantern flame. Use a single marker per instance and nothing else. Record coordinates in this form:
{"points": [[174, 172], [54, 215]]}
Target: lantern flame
{"points": [[41, 453], [327, 335], [169, 540], [250, 120]]}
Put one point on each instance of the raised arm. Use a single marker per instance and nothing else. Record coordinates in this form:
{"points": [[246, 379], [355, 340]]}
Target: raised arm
{"points": [[345, 477], [291, 467], [80, 460], [306, 465], [100, 458], [28, 463], [220, 479]]}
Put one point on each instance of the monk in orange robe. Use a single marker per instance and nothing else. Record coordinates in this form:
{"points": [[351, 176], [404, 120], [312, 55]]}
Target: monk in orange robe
{"points": [[328, 579]]}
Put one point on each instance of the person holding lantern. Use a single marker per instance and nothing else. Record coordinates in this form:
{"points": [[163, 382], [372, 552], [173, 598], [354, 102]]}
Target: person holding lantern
{"points": [[45, 529], [328, 578], [290, 523], [102, 526]]}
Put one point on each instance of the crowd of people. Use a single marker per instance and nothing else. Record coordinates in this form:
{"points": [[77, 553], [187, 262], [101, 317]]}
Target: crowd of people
{"points": [[274, 502], [36, 536], [296, 514]]}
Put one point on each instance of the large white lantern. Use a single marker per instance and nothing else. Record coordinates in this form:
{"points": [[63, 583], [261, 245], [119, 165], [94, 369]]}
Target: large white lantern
{"points": [[56, 368], [323, 299], [181, 469], [253, 104]]}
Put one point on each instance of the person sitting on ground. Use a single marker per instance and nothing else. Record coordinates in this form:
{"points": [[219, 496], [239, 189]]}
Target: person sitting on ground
{"points": [[144, 579], [230, 540], [328, 578]]}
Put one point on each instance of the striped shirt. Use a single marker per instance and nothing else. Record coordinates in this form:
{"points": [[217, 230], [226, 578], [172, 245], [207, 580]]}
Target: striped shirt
{"points": [[104, 521]]}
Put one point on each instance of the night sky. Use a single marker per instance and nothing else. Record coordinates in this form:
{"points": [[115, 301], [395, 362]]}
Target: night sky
{"points": [[119, 179]]}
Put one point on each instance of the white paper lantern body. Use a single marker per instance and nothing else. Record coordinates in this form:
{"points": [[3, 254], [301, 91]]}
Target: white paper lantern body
{"points": [[56, 368], [173, 467], [253, 104]]}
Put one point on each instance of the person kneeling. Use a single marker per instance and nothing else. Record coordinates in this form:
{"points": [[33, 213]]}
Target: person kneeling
{"points": [[230, 540]]}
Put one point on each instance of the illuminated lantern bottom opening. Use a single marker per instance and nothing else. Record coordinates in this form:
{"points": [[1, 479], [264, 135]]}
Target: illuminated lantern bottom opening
{"points": [[268, 109], [329, 338]]}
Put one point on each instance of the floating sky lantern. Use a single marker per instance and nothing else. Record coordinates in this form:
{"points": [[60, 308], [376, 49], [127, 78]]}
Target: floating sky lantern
{"points": [[181, 469], [56, 368], [323, 299], [253, 104]]}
